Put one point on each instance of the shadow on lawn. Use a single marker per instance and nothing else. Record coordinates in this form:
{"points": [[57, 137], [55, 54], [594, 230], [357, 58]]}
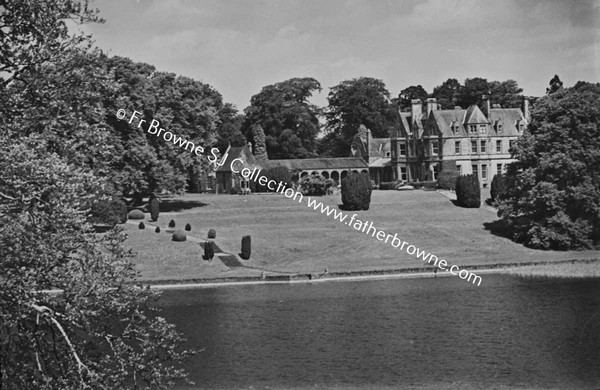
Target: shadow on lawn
{"points": [[168, 205], [498, 228]]}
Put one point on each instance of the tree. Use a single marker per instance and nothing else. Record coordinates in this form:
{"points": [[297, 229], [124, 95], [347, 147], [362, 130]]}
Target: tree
{"points": [[363, 101], [506, 93], [356, 191], [555, 85], [55, 164], [447, 94], [472, 90], [260, 146], [229, 128], [553, 195], [408, 94], [289, 121], [468, 193]]}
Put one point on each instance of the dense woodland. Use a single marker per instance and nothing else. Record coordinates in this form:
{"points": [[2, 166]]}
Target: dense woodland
{"points": [[62, 150]]}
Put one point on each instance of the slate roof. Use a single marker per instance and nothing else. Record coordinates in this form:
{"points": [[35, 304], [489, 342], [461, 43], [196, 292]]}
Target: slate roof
{"points": [[379, 147], [315, 164], [475, 115], [238, 152], [380, 162]]}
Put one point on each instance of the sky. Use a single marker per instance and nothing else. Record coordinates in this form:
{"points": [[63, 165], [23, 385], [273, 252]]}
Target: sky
{"points": [[240, 46]]}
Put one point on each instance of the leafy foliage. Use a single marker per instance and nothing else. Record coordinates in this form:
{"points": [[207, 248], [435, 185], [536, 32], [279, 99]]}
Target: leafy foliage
{"points": [[212, 233], [209, 251], [363, 101], [289, 121], [468, 193], [356, 191], [108, 211], [498, 187], [154, 207], [408, 94], [447, 179], [313, 185], [260, 145], [553, 196], [179, 236], [555, 85], [447, 94]]}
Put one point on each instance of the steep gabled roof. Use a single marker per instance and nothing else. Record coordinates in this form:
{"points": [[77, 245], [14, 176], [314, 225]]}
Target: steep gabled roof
{"points": [[379, 147], [509, 117], [446, 118], [241, 152], [474, 115]]}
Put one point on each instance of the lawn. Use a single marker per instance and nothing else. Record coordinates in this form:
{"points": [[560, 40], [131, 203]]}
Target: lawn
{"points": [[291, 237]]}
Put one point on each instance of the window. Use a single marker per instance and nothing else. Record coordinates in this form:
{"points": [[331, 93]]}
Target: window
{"points": [[403, 173], [474, 147], [483, 146], [435, 172], [459, 169], [473, 129], [499, 169], [499, 127], [483, 172], [482, 129], [499, 146], [403, 149], [475, 171], [456, 147], [435, 148]]}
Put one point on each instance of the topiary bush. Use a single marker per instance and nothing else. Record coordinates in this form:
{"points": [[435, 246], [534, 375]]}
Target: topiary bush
{"points": [[188, 227], [141, 226], [468, 193], [209, 250], [171, 223], [179, 235], [246, 248], [157, 230], [499, 187], [356, 191], [447, 180], [313, 185], [153, 206], [212, 233], [136, 214], [108, 212]]}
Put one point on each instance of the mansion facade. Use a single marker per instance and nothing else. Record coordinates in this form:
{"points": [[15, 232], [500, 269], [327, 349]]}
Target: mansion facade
{"points": [[473, 140]]}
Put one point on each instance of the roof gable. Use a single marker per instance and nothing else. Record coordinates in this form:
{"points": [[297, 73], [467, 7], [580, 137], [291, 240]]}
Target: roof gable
{"points": [[475, 115]]}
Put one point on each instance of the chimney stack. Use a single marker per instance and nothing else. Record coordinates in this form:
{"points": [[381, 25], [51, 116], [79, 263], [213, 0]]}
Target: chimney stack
{"points": [[431, 105], [416, 110], [485, 105]]}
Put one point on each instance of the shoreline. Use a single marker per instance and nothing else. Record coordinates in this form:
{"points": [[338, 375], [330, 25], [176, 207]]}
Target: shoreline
{"points": [[406, 273]]}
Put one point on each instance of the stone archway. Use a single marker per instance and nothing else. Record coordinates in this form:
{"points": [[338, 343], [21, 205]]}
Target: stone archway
{"points": [[344, 174], [325, 174], [303, 174], [335, 175]]}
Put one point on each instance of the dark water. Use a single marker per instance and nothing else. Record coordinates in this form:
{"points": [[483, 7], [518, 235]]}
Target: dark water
{"points": [[419, 333]]}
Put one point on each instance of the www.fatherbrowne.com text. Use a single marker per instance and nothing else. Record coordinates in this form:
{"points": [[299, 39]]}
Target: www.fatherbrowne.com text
{"points": [[364, 227]]}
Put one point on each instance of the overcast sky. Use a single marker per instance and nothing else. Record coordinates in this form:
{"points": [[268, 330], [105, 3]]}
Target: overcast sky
{"points": [[240, 46]]}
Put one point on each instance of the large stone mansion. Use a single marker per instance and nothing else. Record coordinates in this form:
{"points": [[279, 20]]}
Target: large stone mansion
{"points": [[471, 140]]}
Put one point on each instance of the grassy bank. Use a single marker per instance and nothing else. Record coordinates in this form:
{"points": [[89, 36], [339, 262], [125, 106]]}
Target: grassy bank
{"points": [[289, 237], [561, 271]]}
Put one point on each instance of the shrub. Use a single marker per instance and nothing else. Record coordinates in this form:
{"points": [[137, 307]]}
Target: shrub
{"points": [[141, 226], [499, 186], [212, 233], [188, 227], [447, 180], [153, 206], [171, 223], [278, 174], [209, 251], [246, 247], [356, 191], [468, 193], [136, 214], [157, 230], [179, 235], [108, 212], [313, 185]]}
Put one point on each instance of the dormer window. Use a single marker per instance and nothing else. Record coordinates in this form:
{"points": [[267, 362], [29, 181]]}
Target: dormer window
{"points": [[498, 126], [520, 126], [482, 129], [454, 127], [473, 129]]}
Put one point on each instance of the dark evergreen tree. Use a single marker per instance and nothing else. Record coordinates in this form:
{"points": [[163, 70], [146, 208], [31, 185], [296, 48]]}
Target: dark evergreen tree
{"points": [[246, 247], [260, 145], [468, 193], [153, 206], [498, 188], [555, 85], [356, 191]]}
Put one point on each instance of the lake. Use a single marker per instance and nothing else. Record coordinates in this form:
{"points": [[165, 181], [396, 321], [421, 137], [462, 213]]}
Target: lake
{"points": [[398, 333]]}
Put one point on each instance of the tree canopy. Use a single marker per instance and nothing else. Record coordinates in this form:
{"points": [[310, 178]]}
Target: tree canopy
{"points": [[290, 122], [362, 101], [408, 94], [553, 196]]}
